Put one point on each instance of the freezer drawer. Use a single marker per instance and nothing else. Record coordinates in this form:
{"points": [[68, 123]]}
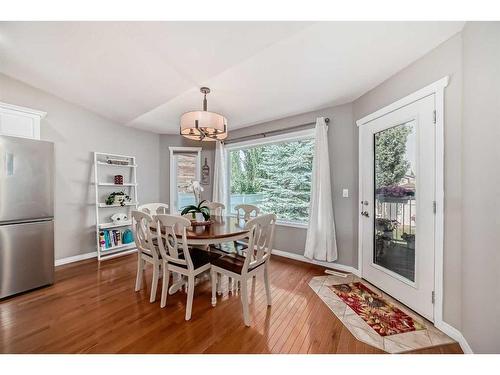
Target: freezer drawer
{"points": [[26, 256]]}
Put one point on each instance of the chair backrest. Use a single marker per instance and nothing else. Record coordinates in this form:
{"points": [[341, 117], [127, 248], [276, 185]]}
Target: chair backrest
{"points": [[216, 208], [260, 240], [171, 249], [154, 208], [141, 226], [247, 210]]}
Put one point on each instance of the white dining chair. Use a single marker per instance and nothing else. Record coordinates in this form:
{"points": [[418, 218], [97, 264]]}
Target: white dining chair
{"points": [[177, 257], [147, 252], [154, 208], [244, 268], [247, 209], [216, 208]]}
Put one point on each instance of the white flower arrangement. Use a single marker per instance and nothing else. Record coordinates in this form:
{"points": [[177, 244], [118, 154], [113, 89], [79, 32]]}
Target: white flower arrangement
{"points": [[197, 189]]}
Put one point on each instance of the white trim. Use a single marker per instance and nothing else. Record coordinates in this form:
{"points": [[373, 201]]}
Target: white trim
{"points": [[361, 207], [27, 113], [26, 110], [76, 258], [281, 223], [436, 88], [285, 137], [173, 150], [291, 224], [455, 334], [439, 198], [433, 88], [301, 258]]}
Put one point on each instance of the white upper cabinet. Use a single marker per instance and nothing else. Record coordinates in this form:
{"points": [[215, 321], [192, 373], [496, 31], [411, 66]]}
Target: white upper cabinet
{"points": [[20, 121]]}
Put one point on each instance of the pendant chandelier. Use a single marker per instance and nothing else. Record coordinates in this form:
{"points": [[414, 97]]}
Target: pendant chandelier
{"points": [[204, 125]]}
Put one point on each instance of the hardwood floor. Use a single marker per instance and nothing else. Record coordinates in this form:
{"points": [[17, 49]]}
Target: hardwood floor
{"points": [[93, 308]]}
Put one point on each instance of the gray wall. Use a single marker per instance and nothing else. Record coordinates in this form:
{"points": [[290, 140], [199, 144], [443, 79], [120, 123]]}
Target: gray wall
{"points": [[174, 140], [76, 133], [445, 60], [343, 163], [481, 187]]}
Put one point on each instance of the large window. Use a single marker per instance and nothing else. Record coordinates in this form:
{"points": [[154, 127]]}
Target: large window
{"points": [[273, 174]]}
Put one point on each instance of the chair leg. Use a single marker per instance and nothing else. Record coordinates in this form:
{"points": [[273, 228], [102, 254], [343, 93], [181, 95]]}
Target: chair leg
{"points": [[213, 277], [190, 291], [266, 282], [154, 284], [219, 283], [164, 288], [244, 303], [140, 269]]}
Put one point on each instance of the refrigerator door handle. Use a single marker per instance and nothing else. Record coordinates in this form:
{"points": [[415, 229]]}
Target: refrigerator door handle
{"points": [[27, 221]]}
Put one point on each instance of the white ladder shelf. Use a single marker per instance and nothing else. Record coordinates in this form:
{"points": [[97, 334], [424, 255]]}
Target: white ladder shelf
{"points": [[103, 211]]}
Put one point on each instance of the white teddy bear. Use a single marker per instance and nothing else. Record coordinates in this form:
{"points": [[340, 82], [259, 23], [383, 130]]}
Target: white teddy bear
{"points": [[119, 218]]}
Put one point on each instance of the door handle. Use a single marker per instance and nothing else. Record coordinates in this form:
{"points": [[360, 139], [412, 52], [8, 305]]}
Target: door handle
{"points": [[364, 213]]}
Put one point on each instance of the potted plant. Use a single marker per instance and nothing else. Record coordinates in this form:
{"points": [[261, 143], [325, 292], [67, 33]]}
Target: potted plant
{"points": [[198, 212], [385, 225], [394, 194], [118, 198], [410, 240]]}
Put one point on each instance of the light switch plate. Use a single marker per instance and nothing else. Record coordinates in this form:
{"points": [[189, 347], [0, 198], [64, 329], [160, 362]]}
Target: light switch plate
{"points": [[345, 193]]}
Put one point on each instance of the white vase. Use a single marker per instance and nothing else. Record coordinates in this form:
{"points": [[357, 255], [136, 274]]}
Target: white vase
{"points": [[118, 199], [199, 217]]}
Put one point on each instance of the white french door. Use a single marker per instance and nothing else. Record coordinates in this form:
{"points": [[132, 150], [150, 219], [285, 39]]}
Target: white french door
{"points": [[397, 193]]}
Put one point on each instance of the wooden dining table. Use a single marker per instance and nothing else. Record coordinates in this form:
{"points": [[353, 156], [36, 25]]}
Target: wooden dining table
{"points": [[221, 229]]}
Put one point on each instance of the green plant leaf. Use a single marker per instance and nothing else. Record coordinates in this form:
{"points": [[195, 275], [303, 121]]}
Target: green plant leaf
{"points": [[189, 209], [199, 204]]}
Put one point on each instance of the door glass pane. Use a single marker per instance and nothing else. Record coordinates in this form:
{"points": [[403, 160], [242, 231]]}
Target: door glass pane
{"points": [[395, 205], [185, 175]]}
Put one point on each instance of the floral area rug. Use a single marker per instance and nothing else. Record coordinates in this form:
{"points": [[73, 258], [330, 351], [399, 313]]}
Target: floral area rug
{"points": [[385, 318]]}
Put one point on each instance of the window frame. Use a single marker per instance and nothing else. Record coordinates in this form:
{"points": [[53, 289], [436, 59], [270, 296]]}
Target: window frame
{"points": [[173, 173], [299, 135]]}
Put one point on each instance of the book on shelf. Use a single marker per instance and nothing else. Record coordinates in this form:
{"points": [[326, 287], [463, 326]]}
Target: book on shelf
{"points": [[102, 240], [110, 238]]}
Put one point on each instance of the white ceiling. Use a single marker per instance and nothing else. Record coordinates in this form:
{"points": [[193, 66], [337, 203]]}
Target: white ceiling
{"points": [[146, 74]]}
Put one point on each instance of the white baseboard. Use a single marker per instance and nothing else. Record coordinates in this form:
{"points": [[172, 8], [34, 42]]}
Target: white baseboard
{"points": [[455, 334], [76, 258], [301, 258]]}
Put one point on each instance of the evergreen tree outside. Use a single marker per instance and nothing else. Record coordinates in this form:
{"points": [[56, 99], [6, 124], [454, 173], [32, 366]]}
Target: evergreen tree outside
{"points": [[390, 156], [286, 170], [244, 171], [281, 172]]}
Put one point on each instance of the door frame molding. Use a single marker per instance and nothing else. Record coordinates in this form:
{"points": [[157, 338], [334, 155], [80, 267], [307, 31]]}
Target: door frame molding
{"points": [[436, 88]]}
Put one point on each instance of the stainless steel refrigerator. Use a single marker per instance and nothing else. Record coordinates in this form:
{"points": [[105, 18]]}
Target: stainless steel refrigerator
{"points": [[26, 214]]}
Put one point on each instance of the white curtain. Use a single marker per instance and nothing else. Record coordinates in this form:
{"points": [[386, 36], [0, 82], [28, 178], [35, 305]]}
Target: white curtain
{"points": [[321, 243], [219, 189]]}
